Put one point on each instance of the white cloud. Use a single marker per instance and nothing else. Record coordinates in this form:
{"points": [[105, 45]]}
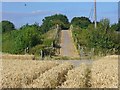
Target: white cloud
{"points": [[23, 14], [44, 12], [20, 18]]}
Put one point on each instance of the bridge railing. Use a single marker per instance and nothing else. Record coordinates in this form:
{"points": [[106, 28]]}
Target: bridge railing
{"points": [[55, 45], [86, 54]]}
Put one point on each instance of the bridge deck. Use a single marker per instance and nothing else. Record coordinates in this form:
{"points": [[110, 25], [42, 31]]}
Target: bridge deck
{"points": [[67, 45]]}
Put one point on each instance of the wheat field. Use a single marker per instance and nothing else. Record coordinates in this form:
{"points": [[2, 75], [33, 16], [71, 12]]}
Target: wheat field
{"points": [[102, 73]]}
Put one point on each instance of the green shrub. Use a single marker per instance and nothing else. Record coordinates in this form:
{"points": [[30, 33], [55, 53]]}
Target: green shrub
{"points": [[103, 39], [37, 49], [16, 41]]}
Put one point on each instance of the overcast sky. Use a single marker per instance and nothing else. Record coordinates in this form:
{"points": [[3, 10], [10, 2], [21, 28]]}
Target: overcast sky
{"points": [[21, 13]]}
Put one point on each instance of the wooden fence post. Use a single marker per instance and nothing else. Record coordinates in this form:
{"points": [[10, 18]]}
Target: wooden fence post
{"points": [[41, 54]]}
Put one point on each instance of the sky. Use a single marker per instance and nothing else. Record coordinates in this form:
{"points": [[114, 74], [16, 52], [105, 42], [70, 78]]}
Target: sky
{"points": [[59, 0], [21, 13]]}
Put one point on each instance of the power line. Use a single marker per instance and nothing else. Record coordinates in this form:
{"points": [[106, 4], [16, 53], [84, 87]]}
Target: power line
{"points": [[91, 12]]}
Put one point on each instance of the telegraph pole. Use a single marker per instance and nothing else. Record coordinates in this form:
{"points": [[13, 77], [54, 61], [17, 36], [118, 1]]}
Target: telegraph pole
{"points": [[95, 14]]}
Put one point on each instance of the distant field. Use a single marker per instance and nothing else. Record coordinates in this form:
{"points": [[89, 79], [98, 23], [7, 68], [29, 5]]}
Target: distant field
{"points": [[53, 74], [20, 57]]}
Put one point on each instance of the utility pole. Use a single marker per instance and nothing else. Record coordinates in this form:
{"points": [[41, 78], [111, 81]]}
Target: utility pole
{"points": [[95, 14]]}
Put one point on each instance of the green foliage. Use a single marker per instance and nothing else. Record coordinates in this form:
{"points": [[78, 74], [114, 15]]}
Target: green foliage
{"points": [[33, 36], [82, 22], [16, 41], [48, 42], [116, 27], [48, 37], [104, 39], [50, 21], [7, 26], [36, 50]]}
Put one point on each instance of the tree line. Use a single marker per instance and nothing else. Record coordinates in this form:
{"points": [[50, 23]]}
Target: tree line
{"points": [[15, 41], [103, 39]]}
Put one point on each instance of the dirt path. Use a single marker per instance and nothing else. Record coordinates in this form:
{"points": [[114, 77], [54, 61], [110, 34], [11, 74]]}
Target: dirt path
{"points": [[67, 45]]}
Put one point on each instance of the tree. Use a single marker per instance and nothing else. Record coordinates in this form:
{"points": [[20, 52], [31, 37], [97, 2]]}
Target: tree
{"points": [[7, 26], [116, 27], [105, 23], [17, 40], [51, 21], [104, 39], [82, 22]]}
